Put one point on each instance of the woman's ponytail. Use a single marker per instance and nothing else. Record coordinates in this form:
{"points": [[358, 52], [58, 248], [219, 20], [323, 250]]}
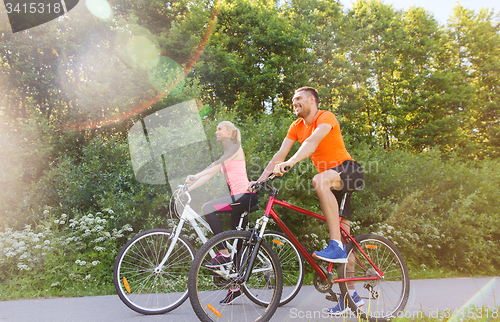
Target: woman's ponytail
{"points": [[236, 135]]}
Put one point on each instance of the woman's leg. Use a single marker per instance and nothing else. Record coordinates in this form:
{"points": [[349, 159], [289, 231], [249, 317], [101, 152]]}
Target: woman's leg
{"points": [[245, 202], [235, 205], [210, 210]]}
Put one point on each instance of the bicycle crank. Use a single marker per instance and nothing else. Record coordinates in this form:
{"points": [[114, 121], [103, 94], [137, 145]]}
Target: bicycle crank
{"points": [[320, 285]]}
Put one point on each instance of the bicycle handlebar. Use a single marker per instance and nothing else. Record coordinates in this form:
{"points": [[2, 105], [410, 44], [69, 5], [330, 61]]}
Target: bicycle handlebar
{"points": [[182, 189], [259, 185]]}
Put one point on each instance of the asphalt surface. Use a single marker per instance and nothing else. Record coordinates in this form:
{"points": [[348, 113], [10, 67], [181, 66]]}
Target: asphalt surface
{"points": [[432, 297]]}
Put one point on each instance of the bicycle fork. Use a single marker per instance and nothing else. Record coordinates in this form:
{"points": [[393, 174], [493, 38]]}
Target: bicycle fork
{"points": [[262, 222]]}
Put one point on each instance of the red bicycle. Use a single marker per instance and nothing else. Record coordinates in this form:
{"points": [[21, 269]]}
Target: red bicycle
{"points": [[375, 269]]}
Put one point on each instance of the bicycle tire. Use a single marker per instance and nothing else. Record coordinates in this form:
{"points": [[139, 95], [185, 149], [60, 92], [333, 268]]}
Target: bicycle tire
{"points": [[292, 266], [205, 295], [383, 298], [136, 282]]}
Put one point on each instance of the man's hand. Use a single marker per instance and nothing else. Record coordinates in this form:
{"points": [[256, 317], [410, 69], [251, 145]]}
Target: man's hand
{"points": [[282, 168]]}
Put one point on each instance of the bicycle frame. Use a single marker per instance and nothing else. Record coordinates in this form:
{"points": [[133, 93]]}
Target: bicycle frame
{"points": [[194, 219], [269, 212]]}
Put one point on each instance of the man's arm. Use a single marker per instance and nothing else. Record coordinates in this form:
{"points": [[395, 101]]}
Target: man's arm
{"points": [[306, 149], [278, 157]]}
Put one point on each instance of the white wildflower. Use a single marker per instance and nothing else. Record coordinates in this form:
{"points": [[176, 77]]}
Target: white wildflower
{"points": [[22, 266]]}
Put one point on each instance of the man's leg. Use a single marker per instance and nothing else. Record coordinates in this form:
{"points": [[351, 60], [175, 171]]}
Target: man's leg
{"points": [[323, 183]]}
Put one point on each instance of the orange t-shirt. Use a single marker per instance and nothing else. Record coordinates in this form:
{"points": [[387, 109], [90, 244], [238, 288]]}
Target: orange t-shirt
{"points": [[331, 150]]}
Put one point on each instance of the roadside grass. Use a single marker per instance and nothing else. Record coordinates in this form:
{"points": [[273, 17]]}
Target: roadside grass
{"points": [[22, 290]]}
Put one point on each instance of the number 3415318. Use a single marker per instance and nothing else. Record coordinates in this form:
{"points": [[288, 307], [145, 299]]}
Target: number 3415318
{"points": [[28, 8]]}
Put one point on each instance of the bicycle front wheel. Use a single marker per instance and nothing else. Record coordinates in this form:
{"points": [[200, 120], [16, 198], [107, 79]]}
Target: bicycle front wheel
{"points": [[379, 299], [219, 294], [291, 263], [141, 283]]}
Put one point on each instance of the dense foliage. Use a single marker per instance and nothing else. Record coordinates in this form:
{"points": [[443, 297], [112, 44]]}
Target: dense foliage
{"points": [[418, 103]]}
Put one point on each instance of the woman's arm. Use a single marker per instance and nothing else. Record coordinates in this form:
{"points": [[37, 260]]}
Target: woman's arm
{"points": [[202, 177], [201, 181]]}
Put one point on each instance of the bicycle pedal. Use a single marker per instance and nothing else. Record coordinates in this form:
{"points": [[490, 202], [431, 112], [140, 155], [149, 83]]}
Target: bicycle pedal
{"points": [[332, 298], [222, 274]]}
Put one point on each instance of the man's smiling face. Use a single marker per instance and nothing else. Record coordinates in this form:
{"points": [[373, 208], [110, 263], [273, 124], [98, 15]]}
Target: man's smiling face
{"points": [[302, 101]]}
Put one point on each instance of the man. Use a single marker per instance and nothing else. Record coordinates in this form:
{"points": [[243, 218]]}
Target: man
{"points": [[319, 134]]}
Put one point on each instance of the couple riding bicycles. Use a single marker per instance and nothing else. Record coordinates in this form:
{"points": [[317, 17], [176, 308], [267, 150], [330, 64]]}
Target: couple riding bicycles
{"points": [[319, 134]]}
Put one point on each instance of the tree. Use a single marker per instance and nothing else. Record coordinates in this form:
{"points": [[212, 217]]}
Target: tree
{"points": [[473, 51], [253, 61]]}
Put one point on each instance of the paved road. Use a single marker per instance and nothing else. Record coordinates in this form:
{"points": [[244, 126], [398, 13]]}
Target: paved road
{"points": [[429, 296]]}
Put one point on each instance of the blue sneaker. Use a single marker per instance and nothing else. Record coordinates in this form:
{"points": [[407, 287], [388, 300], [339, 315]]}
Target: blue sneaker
{"points": [[357, 299], [341, 308], [332, 253]]}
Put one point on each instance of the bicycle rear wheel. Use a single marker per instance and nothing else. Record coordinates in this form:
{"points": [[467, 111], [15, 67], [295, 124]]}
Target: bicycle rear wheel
{"points": [[383, 298], [141, 284], [265, 281]]}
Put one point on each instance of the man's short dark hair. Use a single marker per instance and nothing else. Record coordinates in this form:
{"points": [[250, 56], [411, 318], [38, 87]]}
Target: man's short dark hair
{"points": [[313, 91]]}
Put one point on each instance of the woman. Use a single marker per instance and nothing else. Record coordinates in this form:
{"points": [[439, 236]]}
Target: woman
{"points": [[232, 165]]}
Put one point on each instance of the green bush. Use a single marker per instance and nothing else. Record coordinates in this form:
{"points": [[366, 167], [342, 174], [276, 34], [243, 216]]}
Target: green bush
{"points": [[60, 253], [448, 217], [102, 177]]}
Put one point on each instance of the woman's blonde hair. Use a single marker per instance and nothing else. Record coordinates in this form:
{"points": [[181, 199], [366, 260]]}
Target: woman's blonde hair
{"points": [[236, 136]]}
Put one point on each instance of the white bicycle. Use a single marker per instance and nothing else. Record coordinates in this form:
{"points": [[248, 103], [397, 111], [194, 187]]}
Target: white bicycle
{"points": [[151, 271]]}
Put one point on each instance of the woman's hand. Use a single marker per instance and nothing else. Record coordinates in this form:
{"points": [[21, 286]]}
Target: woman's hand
{"points": [[250, 186], [190, 179]]}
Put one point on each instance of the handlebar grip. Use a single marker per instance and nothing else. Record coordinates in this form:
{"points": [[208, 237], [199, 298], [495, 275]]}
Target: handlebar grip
{"points": [[272, 175], [192, 178]]}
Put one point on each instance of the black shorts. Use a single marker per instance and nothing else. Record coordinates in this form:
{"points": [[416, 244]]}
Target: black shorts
{"points": [[353, 179]]}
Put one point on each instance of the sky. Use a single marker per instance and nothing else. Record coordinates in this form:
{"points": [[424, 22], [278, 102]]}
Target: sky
{"points": [[440, 9]]}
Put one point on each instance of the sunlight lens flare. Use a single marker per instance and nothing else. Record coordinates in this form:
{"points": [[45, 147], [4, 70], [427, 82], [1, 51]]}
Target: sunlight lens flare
{"points": [[137, 70], [99, 8], [484, 296], [136, 46], [165, 72]]}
